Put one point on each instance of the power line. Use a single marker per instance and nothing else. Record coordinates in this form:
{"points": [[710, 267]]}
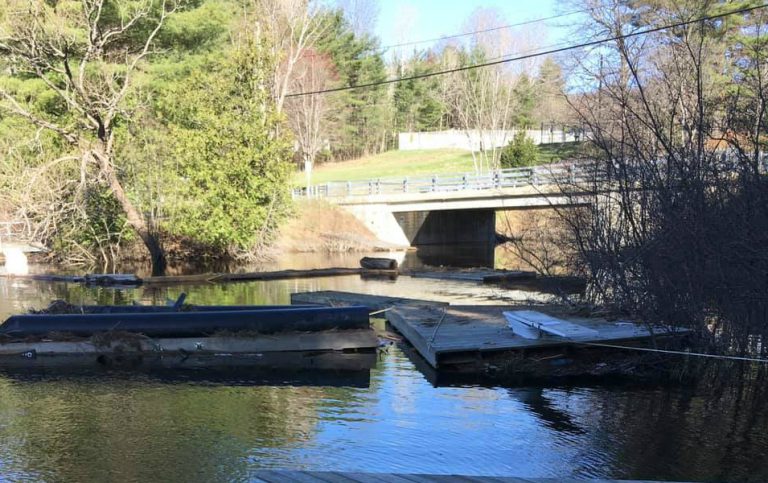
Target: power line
{"points": [[493, 29], [534, 55]]}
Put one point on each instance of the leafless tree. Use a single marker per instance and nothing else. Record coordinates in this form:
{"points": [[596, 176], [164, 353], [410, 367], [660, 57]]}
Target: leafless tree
{"points": [[674, 229], [293, 27], [482, 101], [88, 61], [307, 115]]}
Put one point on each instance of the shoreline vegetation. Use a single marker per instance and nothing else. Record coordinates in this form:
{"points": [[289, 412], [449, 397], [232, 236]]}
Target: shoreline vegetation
{"points": [[172, 130]]}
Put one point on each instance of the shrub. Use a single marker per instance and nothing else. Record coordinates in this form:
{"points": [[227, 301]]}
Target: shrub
{"points": [[521, 151]]}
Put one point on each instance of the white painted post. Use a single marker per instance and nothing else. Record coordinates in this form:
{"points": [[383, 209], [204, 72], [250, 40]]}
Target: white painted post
{"points": [[405, 184], [308, 171]]}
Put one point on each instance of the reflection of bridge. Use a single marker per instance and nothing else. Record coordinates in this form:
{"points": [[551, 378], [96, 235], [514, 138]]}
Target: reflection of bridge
{"points": [[15, 241], [454, 209]]}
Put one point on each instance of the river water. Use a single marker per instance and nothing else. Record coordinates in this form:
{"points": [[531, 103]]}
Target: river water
{"points": [[105, 424]]}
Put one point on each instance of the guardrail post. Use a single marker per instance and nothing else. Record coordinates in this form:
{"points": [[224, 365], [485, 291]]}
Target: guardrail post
{"points": [[496, 179], [370, 187], [349, 188], [405, 185], [465, 181], [534, 177], [434, 182], [327, 190], [378, 186]]}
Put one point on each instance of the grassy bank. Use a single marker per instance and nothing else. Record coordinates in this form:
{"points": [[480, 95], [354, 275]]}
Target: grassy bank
{"points": [[417, 163]]}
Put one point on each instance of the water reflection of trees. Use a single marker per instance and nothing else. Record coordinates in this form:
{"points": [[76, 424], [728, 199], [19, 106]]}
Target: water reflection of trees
{"points": [[67, 430], [715, 429]]}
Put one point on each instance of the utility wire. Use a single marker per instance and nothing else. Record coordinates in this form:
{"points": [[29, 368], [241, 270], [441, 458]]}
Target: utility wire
{"points": [[530, 56], [493, 29]]}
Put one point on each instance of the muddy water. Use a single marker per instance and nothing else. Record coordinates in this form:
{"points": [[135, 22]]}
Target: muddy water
{"points": [[110, 425]]}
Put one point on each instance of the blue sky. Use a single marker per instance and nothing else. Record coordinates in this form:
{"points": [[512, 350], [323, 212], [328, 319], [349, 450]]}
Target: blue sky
{"points": [[410, 20]]}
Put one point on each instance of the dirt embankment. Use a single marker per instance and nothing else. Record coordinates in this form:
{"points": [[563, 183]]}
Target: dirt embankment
{"points": [[318, 226]]}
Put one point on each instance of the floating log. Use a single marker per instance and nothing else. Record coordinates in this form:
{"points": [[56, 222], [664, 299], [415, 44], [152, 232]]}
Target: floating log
{"points": [[378, 263], [107, 279], [278, 275]]}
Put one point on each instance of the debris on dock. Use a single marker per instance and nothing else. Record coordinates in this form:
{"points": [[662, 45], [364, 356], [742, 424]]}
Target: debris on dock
{"points": [[125, 343]]}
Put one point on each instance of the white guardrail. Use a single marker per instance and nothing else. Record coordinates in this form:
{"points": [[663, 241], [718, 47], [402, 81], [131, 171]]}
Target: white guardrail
{"points": [[562, 173]]}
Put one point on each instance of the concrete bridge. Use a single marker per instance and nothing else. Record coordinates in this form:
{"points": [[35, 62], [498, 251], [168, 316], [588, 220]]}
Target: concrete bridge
{"points": [[459, 208]]}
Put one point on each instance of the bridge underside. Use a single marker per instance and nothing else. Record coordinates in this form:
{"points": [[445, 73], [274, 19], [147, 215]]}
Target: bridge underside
{"points": [[465, 219], [467, 237]]}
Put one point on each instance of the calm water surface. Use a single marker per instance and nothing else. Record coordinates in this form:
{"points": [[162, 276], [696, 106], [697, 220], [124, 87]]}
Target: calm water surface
{"points": [[105, 425]]}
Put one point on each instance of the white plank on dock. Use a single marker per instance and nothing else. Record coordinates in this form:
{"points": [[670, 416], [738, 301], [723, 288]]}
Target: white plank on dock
{"points": [[550, 325]]}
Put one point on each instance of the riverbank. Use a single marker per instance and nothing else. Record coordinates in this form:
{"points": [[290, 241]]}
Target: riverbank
{"points": [[320, 227]]}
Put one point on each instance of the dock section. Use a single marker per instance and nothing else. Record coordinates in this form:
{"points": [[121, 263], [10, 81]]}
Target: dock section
{"points": [[459, 334], [335, 298], [474, 275]]}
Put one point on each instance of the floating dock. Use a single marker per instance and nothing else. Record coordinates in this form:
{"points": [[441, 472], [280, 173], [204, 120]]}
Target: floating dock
{"points": [[452, 336], [474, 275], [463, 334], [335, 298], [338, 369]]}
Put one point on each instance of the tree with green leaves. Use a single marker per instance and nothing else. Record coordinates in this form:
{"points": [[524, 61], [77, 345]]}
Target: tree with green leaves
{"points": [[163, 108]]}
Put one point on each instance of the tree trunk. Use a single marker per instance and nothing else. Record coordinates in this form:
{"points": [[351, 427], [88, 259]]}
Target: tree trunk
{"points": [[134, 218]]}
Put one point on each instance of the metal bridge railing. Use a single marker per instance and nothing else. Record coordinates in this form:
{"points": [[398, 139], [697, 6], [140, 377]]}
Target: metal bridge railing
{"points": [[563, 173]]}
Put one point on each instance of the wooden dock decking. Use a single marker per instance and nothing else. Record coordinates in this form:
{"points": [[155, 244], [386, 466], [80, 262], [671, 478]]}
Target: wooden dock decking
{"points": [[475, 275], [437, 332], [374, 302], [287, 476]]}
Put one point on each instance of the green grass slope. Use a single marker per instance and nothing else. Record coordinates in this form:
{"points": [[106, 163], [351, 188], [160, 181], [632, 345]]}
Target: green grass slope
{"points": [[396, 164]]}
